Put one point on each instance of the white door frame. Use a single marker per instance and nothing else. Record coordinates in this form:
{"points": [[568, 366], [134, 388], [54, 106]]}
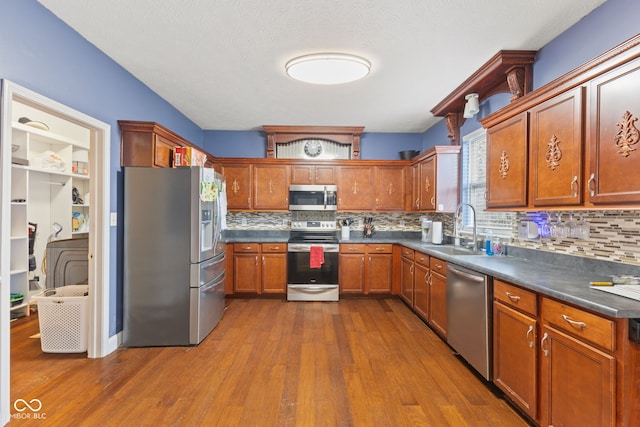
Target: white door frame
{"points": [[99, 342]]}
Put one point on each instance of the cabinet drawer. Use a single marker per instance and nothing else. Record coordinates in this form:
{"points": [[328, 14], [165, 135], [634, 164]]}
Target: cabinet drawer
{"points": [[407, 253], [515, 296], [422, 259], [438, 266], [587, 326], [246, 247], [274, 247], [351, 248], [380, 249]]}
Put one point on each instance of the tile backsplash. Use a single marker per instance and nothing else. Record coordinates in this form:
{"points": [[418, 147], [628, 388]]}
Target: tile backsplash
{"points": [[614, 235]]}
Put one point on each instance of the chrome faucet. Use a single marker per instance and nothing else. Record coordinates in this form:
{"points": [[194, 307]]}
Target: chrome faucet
{"points": [[455, 225]]}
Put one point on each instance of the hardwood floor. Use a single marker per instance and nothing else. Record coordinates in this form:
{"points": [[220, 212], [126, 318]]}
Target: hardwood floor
{"points": [[359, 362]]}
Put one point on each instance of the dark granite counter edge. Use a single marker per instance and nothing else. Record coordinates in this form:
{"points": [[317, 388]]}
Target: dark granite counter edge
{"points": [[561, 276]]}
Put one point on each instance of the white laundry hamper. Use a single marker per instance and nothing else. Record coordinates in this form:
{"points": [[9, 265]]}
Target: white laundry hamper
{"points": [[62, 314]]}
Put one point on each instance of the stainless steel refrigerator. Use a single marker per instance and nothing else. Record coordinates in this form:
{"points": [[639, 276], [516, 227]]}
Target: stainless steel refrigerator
{"points": [[174, 256]]}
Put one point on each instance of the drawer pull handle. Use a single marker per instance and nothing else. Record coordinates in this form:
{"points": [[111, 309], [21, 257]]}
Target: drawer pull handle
{"points": [[247, 248], [545, 337], [379, 249], [274, 248], [439, 266], [529, 331], [353, 249], [572, 322], [514, 298]]}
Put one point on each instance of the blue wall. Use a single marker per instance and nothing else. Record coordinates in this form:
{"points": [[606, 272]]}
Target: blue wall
{"points": [[374, 146], [40, 52]]}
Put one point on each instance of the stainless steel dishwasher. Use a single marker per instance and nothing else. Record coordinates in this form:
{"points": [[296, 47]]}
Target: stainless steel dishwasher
{"points": [[469, 296]]}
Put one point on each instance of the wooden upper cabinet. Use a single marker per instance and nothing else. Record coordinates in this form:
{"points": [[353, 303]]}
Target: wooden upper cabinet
{"points": [[427, 185], [613, 175], [390, 188], [270, 187], [507, 163], [435, 180], [556, 142], [238, 178], [355, 188], [151, 144], [313, 174]]}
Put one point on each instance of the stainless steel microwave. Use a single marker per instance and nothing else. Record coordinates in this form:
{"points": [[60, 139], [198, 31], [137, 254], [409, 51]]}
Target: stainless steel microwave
{"points": [[313, 197]]}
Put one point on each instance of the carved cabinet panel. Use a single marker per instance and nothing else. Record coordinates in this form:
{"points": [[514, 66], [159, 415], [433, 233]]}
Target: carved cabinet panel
{"points": [[613, 175], [507, 166], [238, 178], [556, 143], [271, 187], [355, 188], [390, 188]]}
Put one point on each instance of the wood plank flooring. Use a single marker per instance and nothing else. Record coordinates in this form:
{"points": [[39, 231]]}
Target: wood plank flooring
{"points": [[359, 362]]}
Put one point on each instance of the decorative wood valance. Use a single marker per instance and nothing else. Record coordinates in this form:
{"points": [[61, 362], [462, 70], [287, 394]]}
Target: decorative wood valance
{"points": [[508, 71], [347, 135]]}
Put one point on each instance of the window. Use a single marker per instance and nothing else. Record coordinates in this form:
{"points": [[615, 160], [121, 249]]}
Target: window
{"points": [[474, 187]]}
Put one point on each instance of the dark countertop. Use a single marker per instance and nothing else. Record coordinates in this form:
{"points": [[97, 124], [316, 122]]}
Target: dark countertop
{"points": [[561, 276]]}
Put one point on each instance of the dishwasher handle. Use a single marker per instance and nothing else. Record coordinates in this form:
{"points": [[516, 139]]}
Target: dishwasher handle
{"points": [[467, 275]]}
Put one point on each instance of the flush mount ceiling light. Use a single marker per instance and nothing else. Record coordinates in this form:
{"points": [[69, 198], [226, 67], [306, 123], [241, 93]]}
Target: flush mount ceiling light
{"points": [[328, 68], [472, 107]]}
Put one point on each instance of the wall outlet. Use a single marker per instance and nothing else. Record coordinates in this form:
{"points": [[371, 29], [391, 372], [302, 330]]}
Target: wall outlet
{"points": [[360, 224], [113, 219], [243, 221], [402, 223], [285, 222]]}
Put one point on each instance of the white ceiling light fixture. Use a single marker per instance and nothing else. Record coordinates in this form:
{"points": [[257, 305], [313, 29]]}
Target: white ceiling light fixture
{"points": [[472, 107], [328, 68]]}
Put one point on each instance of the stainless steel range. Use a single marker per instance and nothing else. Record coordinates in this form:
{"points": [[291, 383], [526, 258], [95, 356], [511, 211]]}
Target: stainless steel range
{"points": [[312, 264]]}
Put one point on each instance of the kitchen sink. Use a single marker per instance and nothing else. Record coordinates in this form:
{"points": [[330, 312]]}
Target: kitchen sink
{"points": [[454, 250]]}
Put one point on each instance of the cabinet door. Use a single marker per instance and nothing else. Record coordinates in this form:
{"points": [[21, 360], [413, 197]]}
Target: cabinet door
{"points": [[421, 292], [406, 280], [351, 273], [438, 303], [577, 382], [427, 183], [324, 174], [246, 272], [515, 357], [355, 188], [507, 163], [302, 174], [271, 187], [238, 178], [390, 188], [379, 273], [613, 175], [274, 273], [556, 150], [163, 152]]}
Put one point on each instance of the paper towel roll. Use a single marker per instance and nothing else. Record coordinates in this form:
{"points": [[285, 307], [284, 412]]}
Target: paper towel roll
{"points": [[436, 233]]}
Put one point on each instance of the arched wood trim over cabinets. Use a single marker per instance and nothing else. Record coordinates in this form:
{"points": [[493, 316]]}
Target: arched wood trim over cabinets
{"points": [[508, 71], [348, 135]]}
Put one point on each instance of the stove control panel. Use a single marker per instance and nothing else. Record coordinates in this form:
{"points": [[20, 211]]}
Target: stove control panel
{"points": [[313, 225]]}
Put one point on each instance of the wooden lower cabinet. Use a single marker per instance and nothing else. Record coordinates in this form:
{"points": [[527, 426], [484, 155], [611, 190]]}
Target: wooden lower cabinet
{"points": [[246, 268], [351, 270], [274, 268], [438, 296], [260, 268], [577, 382], [515, 358], [407, 270], [577, 376], [366, 269]]}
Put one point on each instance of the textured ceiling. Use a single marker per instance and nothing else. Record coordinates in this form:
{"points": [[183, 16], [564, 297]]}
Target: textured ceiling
{"points": [[221, 62]]}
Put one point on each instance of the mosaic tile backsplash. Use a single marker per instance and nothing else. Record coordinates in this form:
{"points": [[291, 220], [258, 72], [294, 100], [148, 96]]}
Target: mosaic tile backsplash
{"points": [[613, 235]]}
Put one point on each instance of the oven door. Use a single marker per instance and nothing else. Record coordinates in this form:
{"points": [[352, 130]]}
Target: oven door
{"points": [[312, 284]]}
